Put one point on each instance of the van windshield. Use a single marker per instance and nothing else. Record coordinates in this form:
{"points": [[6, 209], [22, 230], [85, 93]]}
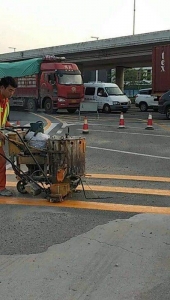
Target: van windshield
{"points": [[113, 91]]}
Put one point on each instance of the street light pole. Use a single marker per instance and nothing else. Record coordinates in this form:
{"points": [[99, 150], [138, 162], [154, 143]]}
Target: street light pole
{"points": [[12, 48], [134, 10], [97, 72]]}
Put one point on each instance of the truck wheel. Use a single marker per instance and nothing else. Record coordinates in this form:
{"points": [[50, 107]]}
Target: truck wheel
{"points": [[48, 106], [106, 108], [143, 106], [168, 113], [31, 105], [71, 110]]}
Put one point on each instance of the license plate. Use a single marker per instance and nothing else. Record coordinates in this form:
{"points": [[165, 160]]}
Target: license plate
{"points": [[73, 101]]}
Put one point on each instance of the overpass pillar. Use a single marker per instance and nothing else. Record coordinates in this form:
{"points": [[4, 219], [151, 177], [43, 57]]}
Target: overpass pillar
{"points": [[120, 77]]}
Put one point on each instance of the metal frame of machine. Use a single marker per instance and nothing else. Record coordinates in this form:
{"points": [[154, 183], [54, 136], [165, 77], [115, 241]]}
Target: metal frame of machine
{"points": [[55, 170]]}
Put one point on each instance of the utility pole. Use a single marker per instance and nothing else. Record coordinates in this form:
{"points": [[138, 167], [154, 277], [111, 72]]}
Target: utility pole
{"points": [[12, 48], [134, 11], [97, 72]]}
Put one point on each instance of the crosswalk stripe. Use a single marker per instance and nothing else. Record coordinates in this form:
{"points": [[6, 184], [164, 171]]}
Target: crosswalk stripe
{"points": [[87, 205]]}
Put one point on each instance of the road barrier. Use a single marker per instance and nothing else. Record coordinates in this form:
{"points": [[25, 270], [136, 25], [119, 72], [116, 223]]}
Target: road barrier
{"points": [[121, 121], [88, 107], [149, 123]]}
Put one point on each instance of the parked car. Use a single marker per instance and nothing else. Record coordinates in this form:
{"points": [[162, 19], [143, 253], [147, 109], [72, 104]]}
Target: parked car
{"points": [[164, 104], [108, 96], [144, 100]]}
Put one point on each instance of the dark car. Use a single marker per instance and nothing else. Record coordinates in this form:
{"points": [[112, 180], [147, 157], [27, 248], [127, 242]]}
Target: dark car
{"points": [[164, 104]]}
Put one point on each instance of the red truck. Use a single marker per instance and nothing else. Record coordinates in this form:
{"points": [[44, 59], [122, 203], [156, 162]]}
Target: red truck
{"points": [[49, 83], [161, 78]]}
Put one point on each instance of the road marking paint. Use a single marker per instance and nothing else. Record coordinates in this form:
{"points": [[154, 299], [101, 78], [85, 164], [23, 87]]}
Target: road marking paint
{"points": [[127, 152], [47, 120], [129, 177], [52, 126], [126, 190], [115, 189], [132, 133], [86, 205], [119, 176]]}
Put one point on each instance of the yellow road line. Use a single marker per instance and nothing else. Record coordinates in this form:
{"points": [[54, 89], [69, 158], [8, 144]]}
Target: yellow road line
{"points": [[55, 117], [120, 177], [128, 177], [126, 190], [87, 205], [116, 189], [47, 120]]}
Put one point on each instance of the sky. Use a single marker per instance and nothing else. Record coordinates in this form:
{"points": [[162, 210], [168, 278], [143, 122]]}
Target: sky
{"points": [[32, 24]]}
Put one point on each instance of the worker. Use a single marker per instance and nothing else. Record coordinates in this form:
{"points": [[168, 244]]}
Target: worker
{"points": [[7, 89]]}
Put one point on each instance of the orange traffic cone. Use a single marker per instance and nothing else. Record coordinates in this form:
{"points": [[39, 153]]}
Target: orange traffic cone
{"points": [[121, 121], [149, 124], [85, 126]]}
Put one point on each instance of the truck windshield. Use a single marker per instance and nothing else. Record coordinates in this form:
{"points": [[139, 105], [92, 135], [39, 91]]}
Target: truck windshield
{"points": [[113, 91], [69, 79]]}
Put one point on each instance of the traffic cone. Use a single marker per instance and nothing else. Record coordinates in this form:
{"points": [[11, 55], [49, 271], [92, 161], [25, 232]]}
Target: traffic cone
{"points": [[149, 124], [85, 126], [121, 121]]}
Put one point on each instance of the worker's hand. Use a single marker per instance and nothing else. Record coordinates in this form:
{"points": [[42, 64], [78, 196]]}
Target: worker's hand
{"points": [[2, 137]]}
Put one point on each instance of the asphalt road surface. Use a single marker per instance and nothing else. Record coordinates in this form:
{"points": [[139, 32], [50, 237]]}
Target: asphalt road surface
{"points": [[108, 241]]}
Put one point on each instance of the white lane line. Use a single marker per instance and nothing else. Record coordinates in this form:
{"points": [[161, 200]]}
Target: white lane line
{"points": [[106, 125], [52, 126], [62, 127], [127, 152], [133, 133]]}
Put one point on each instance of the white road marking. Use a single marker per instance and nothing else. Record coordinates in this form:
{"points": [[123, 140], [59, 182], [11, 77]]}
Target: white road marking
{"points": [[133, 133], [52, 126], [62, 127], [127, 152]]}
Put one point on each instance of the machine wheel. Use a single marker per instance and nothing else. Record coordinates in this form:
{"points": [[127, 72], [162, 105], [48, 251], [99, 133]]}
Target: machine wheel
{"points": [[48, 105], [21, 187], [143, 106], [71, 110], [106, 108], [168, 113], [31, 105]]}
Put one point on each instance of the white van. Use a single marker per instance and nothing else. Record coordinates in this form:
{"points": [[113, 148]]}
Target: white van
{"points": [[108, 95]]}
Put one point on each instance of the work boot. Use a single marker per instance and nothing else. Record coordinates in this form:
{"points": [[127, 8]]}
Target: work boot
{"points": [[6, 193]]}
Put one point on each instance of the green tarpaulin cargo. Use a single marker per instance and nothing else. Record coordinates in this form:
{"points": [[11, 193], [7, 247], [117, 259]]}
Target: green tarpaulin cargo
{"points": [[20, 68]]}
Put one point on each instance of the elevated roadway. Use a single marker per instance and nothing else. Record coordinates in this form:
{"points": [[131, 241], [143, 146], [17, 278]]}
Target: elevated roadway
{"points": [[121, 52], [126, 51]]}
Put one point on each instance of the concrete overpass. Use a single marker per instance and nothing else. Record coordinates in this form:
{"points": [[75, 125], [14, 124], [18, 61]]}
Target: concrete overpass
{"points": [[121, 52]]}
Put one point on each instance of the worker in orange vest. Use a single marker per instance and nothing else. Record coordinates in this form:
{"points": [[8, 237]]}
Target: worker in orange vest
{"points": [[7, 89]]}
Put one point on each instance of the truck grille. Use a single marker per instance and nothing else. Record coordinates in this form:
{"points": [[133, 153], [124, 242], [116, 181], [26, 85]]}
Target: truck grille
{"points": [[124, 103], [73, 95]]}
